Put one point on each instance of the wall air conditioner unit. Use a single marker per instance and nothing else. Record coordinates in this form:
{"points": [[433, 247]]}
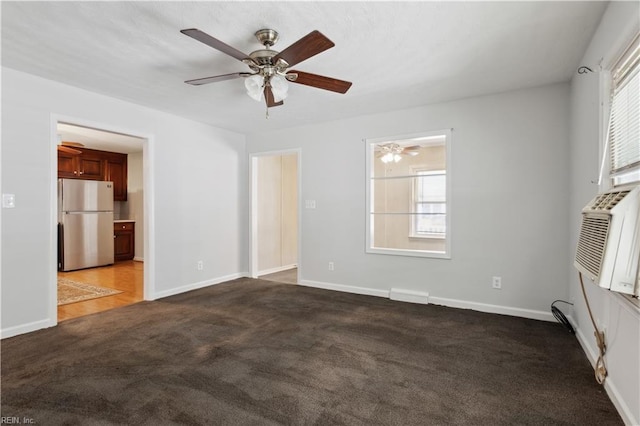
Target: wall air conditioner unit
{"points": [[609, 243]]}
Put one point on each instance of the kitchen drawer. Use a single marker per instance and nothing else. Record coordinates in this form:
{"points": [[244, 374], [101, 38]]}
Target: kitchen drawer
{"points": [[123, 226]]}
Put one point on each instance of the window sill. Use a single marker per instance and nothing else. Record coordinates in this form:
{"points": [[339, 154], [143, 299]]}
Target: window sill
{"points": [[632, 304], [410, 253], [427, 237]]}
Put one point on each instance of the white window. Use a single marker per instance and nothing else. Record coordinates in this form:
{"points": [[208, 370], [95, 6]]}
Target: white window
{"points": [[409, 194], [624, 119], [429, 204]]}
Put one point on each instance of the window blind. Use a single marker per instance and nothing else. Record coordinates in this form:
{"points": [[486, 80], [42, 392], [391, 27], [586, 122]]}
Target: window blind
{"points": [[624, 127]]}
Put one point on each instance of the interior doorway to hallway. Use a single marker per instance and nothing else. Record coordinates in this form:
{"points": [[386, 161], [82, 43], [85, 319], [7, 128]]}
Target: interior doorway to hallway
{"points": [[275, 210]]}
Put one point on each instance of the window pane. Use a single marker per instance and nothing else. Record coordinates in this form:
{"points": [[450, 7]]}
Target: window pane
{"points": [[624, 124], [392, 195], [391, 231], [432, 218], [431, 187]]}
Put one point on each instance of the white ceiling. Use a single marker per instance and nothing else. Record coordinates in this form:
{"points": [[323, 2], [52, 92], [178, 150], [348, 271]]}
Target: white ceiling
{"points": [[397, 54], [99, 139]]}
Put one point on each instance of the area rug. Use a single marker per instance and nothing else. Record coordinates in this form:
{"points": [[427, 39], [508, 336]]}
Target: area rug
{"points": [[72, 291]]}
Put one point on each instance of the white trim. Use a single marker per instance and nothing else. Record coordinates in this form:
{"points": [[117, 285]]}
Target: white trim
{"points": [[148, 202], [609, 386], [28, 328], [276, 269], [138, 259], [345, 288], [452, 303], [410, 253], [493, 309], [53, 227], [195, 286]]}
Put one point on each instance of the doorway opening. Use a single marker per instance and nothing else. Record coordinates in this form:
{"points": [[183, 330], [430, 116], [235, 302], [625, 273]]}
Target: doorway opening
{"points": [[107, 268], [275, 228]]}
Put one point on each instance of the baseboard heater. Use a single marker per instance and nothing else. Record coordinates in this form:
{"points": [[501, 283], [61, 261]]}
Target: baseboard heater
{"points": [[411, 296]]}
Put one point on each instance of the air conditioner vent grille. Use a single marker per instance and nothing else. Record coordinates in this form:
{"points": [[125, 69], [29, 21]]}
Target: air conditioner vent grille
{"points": [[605, 202], [592, 243]]}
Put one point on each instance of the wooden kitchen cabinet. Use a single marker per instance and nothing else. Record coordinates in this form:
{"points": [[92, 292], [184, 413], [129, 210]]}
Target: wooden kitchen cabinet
{"points": [[93, 164], [124, 242], [90, 166], [80, 166], [116, 172], [67, 165]]}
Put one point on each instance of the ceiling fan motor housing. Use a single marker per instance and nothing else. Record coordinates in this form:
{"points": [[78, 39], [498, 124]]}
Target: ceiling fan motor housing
{"points": [[263, 56], [267, 37]]}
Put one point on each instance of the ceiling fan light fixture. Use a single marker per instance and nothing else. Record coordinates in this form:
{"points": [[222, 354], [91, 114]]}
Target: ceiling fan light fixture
{"points": [[279, 87], [254, 86], [387, 158]]}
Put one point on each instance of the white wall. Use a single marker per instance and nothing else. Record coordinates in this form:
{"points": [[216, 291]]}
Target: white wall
{"points": [[197, 175], [510, 182], [612, 312]]}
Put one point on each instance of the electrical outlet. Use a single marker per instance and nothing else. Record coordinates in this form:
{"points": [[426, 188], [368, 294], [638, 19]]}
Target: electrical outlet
{"points": [[331, 266], [200, 265], [497, 283], [8, 201]]}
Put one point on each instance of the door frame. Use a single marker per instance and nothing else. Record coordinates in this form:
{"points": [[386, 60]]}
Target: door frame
{"points": [[253, 207], [148, 204]]}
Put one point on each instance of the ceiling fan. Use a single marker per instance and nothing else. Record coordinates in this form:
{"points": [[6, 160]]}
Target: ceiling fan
{"points": [[70, 147], [269, 68], [393, 152]]}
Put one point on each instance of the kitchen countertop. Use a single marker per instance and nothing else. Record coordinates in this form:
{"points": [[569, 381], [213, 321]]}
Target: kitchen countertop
{"points": [[123, 220]]}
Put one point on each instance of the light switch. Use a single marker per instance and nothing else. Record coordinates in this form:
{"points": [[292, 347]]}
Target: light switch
{"points": [[310, 204], [8, 201]]}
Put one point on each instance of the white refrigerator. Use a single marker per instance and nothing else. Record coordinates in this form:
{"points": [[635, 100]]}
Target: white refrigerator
{"points": [[85, 224]]}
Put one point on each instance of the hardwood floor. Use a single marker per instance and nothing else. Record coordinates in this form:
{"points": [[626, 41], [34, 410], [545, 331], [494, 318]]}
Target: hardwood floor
{"points": [[126, 276]]}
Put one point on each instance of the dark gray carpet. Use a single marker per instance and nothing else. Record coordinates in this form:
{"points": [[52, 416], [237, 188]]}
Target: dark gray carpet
{"points": [[257, 352]]}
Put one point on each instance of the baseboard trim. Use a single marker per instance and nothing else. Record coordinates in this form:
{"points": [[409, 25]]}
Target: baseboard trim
{"points": [[277, 269], [138, 259], [609, 386], [493, 309], [195, 286], [452, 303], [26, 328], [346, 288]]}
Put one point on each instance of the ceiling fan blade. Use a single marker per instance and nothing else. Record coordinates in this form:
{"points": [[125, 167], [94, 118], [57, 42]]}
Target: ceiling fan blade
{"points": [[321, 82], [215, 43], [69, 150], [216, 78], [310, 45], [268, 97]]}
